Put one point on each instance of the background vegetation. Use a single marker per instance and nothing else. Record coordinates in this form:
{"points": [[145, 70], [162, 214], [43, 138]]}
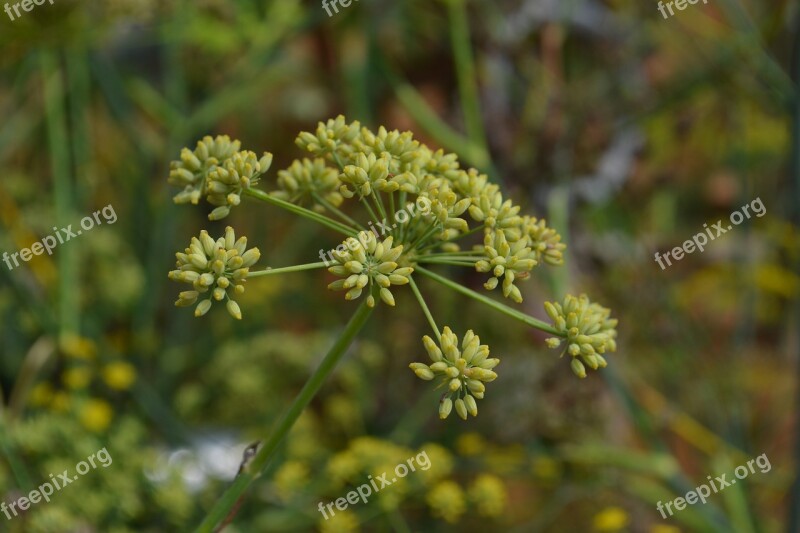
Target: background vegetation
{"points": [[625, 130]]}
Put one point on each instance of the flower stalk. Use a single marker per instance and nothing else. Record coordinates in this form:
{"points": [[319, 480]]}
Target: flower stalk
{"points": [[259, 463]]}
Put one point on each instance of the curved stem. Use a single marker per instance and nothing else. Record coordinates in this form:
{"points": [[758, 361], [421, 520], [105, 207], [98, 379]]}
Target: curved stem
{"points": [[284, 270], [259, 463], [425, 309], [519, 315], [302, 211]]}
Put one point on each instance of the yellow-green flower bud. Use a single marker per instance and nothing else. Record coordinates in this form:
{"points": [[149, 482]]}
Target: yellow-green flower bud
{"points": [[461, 408]]}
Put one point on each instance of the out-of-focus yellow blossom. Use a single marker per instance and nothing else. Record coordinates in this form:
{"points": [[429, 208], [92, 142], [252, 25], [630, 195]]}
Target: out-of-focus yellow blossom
{"points": [[96, 415], [343, 467], [441, 461], [489, 495], [661, 528], [470, 444], [119, 375], [78, 347], [60, 402], [610, 519], [341, 522], [77, 378], [546, 468], [290, 478], [343, 411], [447, 501], [41, 394]]}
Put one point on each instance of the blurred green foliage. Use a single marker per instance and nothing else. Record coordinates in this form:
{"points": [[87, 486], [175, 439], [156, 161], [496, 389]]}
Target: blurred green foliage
{"points": [[627, 130]]}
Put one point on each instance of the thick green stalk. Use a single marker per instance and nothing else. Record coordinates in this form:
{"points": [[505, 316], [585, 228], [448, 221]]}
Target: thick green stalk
{"points": [[522, 317], [302, 211], [224, 505]]}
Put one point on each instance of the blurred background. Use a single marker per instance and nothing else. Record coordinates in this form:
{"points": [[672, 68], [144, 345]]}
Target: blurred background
{"points": [[625, 130]]}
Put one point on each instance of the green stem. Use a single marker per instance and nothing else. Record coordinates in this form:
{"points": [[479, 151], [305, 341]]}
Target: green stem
{"points": [[58, 142], [369, 208], [452, 262], [302, 211], [522, 317], [465, 71], [285, 270], [336, 211], [379, 205], [425, 309], [228, 500]]}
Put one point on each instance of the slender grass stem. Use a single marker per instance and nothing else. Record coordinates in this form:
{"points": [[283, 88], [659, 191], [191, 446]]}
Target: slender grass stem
{"points": [[302, 211], [425, 309], [58, 144], [519, 315], [465, 71], [286, 270], [226, 503]]}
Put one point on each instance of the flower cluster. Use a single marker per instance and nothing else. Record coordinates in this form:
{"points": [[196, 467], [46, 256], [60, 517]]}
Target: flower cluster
{"points": [[464, 371], [359, 178], [227, 181], [219, 266], [367, 263], [311, 183], [190, 171], [217, 170], [588, 330]]}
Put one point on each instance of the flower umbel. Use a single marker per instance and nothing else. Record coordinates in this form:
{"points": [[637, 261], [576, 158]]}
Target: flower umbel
{"points": [[359, 179], [190, 171], [370, 264], [588, 330], [464, 371], [219, 267]]}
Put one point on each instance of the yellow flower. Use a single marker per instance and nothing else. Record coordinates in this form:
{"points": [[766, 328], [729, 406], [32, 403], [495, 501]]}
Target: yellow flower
{"points": [[96, 415], [470, 444], [77, 378], [610, 519], [119, 375], [60, 402], [78, 347], [489, 495], [290, 478], [446, 500], [660, 528], [41, 394], [341, 522]]}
